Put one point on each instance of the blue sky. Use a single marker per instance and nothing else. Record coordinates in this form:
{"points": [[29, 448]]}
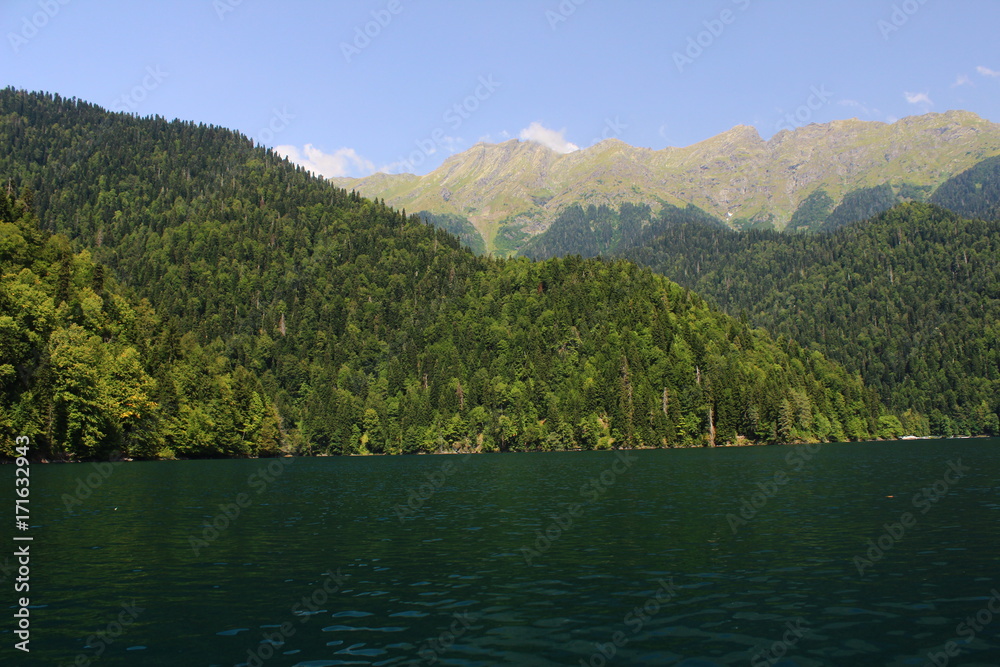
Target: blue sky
{"points": [[349, 88]]}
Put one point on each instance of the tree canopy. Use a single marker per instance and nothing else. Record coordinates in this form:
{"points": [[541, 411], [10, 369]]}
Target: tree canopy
{"points": [[171, 289], [909, 299]]}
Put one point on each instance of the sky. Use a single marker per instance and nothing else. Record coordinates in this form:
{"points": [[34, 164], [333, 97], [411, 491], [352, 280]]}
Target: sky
{"points": [[351, 88]]}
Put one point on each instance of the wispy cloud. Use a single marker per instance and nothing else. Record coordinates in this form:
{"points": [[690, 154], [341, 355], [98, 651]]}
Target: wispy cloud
{"points": [[864, 112], [549, 138], [986, 71], [919, 98], [342, 162], [451, 144], [488, 138], [863, 108], [962, 80], [416, 161]]}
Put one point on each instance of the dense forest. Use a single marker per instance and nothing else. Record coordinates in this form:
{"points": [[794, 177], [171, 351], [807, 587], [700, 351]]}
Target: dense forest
{"points": [[601, 230], [860, 205], [171, 289], [812, 213], [910, 299], [817, 212], [89, 372], [975, 193], [594, 231], [459, 226]]}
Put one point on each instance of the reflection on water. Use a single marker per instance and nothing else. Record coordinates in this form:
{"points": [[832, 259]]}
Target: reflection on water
{"points": [[527, 559]]}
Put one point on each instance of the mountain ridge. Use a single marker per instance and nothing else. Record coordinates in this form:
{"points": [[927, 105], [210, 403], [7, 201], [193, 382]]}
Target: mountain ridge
{"points": [[736, 175]]}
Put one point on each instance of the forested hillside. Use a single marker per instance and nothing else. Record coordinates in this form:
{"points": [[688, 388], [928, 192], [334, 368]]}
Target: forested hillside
{"points": [[974, 193], [459, 226], [910, 299], [89, 372], [860, 205], [602, 230], [287, 314]]}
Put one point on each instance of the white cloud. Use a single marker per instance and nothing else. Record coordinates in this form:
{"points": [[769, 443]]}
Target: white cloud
{"points": [[986, 71], [962, 80], [549, 138], [919, 98], [342, 162]]}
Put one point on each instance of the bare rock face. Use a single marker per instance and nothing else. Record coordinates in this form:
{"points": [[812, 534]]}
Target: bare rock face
{"points": [[735, 175]]}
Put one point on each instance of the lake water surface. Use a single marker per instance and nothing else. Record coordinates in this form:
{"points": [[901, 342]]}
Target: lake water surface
{"points": [[523, 559]]}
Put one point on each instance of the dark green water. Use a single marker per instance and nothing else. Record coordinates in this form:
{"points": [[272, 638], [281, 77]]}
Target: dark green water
{"points": [[452, 579]]}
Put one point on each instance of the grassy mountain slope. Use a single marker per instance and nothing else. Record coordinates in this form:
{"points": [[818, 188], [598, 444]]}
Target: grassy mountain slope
{"points": [[735, 176], [372, 332]]}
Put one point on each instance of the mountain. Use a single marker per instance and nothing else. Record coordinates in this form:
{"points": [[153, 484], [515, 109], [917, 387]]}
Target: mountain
{"points": [[177, 275], [514, 190], [974, 193], [909, 299], [601, 230]]}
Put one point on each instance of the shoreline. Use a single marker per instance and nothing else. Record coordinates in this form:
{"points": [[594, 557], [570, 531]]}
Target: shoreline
{"points": [[126, 459]]}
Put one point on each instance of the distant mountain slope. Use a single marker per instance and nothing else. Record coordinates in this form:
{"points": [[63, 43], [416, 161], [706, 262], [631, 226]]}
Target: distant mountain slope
{"points": [[735, 176], [459, 226], [859, 205], [974, 193], [601, 230], [910, 299], [365, 330]]}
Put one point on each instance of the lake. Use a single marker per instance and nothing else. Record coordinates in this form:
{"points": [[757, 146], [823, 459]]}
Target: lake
{"points": [[840, 554]]}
